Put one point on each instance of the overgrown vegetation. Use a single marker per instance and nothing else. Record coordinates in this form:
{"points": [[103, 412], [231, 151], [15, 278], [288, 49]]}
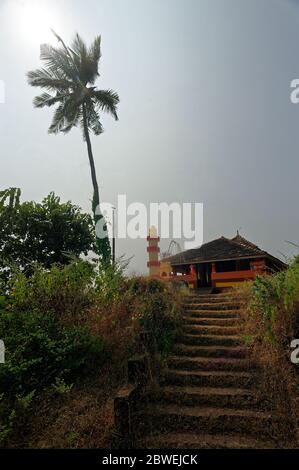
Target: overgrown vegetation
{"points": [[45, 233], [271, 315], [69, 325], [68, 332]]}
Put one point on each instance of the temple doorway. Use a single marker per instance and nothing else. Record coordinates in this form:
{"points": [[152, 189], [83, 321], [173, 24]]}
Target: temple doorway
{"points": [[204, 275]]}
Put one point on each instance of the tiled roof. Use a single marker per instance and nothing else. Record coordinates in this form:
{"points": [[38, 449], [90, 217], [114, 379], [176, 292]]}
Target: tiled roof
{"points": [[220, 249]]}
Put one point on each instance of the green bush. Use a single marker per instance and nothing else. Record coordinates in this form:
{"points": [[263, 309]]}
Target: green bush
{"points": [[161, 312], [141, 286], [45, 233], [161, 321], [63, 290], [2, 302], [276, 297], [110, 282], [39, 349]]}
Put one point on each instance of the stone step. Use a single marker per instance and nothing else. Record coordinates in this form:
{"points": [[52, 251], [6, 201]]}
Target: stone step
{"points": [[208, 299], [197, 313], [210, 351], [211, 306], [161, 417], [215, 340], [189, 320], [207, 363], [237, 379], [211, 330], [207, 396], [176, 440], [201, 293]]}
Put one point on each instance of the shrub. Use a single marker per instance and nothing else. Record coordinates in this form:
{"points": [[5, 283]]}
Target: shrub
{"points": [[275, 299], [61, 387], [141, 286], [45, 233], [63, 290], [76, 321], [38, 349], [161, 311], [271, 318], [110, 282]]}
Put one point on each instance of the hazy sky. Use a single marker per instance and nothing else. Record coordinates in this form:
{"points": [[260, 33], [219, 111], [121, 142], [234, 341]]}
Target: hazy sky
{"points": [[205, 112]]}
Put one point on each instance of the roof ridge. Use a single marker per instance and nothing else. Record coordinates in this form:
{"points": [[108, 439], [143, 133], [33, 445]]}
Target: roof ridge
{"points": [[239, 240]]}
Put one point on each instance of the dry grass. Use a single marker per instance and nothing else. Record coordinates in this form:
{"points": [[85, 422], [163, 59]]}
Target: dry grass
{"points": [[278, 378], [83, 417]]}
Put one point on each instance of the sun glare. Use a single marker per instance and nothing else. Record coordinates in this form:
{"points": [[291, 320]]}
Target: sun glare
{"points": [[36, 19]]}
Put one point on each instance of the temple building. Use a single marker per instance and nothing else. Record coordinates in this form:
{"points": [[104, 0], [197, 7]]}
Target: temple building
{"points": [[219, 264]]}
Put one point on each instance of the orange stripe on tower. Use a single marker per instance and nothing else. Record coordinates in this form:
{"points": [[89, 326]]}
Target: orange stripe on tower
{"points": [[152, 249], [153, 263]]}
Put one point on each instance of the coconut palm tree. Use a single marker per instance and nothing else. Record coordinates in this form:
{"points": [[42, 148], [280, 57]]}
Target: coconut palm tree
{"points": [[68, 78]]}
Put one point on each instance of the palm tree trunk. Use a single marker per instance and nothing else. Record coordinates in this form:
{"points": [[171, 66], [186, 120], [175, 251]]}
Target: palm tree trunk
{"points": [[96, 195], [103, 245]]}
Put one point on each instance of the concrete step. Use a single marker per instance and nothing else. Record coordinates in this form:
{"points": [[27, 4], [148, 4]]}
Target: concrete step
{"points": [[207, 339], [236, 379], [176, 440], [202, 291], [211, 306], [207, 363], [211, 299], [211, 329], [161, 417], [198, 313], [189, 320], [210, 351], [206, 396]]}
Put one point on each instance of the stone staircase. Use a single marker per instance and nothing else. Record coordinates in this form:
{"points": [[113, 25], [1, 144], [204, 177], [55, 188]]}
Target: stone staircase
{"points": [[209, 397]]}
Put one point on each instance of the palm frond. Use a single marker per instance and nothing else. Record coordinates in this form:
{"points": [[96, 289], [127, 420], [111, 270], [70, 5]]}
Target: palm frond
{"points": [[95, 50], [93, 118], [87, 65], [47, 79], [58, 61], [58, 121], [47, 100], [107, 101], [66, 116], [59, 39], [78, 47], [72, 120]]}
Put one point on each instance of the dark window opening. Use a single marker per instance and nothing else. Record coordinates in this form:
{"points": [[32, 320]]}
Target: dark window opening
{"points": [[225, 266], [243, 265]]}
